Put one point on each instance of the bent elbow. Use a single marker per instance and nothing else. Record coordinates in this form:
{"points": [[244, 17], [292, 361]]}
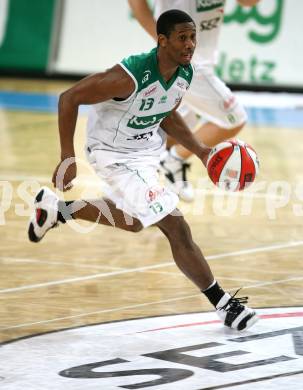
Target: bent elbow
{"points": [[67, 98]]}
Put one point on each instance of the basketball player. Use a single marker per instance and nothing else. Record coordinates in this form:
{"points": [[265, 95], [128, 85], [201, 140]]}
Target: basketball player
{"points": [[124, 143], [208, 95]]}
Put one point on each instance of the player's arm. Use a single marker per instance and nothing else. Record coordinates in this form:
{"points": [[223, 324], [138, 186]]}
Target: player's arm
{"points": [[93, 89], [248, 3], [144, 15], [175, 126]]}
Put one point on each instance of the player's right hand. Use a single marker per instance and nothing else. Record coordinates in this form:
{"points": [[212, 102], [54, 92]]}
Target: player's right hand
{"points": [[64, 174]]}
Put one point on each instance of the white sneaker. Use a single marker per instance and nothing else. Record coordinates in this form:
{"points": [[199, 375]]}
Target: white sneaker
{"points": [[234, 314], [175, 171], [45, 215]]}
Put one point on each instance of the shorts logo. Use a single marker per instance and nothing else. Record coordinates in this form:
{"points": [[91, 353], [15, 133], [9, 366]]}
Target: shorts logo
{"points": [[229, 103], [153, 193], [231, 118]]}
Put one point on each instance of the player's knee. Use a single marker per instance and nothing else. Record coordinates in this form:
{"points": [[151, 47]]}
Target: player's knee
{"points": [[176, 229], [236, 130], [182, 231]]}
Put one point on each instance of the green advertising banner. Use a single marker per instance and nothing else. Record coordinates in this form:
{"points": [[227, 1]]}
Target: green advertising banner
{"points": [[262, 45], [25, 34]]}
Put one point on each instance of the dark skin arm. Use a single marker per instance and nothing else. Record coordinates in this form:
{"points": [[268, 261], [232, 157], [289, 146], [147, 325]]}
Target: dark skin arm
{"points": [[175, 126], [93, 89], [98, 88]]}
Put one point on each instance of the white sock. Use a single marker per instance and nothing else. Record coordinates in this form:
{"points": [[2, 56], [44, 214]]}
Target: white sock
{"points": [[174, 153]]}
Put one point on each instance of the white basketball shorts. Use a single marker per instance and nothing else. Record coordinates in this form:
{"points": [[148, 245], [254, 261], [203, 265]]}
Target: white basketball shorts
{"points": [[133, 186], [210, 98]]}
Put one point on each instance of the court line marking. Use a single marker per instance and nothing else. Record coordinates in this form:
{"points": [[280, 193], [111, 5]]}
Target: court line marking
{"points": [[36, 261], [146, 268], [180, 274], [122, 308]]}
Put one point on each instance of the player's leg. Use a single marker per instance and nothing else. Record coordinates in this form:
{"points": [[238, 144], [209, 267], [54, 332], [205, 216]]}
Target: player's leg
{"points": [[49, 211], [174, 167], [192, 263], [134, 199], [210, 134], [223, 114], [186, 253]]}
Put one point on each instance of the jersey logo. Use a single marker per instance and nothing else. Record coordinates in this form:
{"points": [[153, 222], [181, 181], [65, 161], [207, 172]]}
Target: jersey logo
{"points": [[151, 90], [163, 99], [147, 74], [178, 99], [139, 137], [186, 72], [145, 121], [207, 5], [182, 85], [207, 25]]}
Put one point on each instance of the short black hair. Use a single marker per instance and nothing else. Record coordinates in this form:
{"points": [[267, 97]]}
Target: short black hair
{"points": [[167, 21]]}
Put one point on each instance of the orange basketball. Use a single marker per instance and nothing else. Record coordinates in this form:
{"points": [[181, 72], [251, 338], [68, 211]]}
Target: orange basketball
{"points": [[232, 165]]}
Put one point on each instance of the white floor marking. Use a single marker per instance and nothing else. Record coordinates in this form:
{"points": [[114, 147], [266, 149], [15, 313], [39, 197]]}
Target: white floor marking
{"points": [[139, 305], [74, 265], [150, 267], [180, 274], [101, 311]]}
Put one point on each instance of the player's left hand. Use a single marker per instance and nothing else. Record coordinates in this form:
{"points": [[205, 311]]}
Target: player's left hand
{"points": [[203, 155]]}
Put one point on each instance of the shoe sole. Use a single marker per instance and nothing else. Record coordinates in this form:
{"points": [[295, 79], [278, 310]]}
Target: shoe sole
{"points": [[248, 323], [31, 233]]}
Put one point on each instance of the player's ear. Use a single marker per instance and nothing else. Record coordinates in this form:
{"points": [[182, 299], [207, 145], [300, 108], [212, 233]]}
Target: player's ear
{"points": [[162, 40]]}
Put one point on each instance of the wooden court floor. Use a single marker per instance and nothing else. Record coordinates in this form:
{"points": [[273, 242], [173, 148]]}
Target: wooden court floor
{"points": [[253, 240]]}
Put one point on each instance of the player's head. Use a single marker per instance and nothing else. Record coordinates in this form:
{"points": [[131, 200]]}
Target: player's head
{"points": [[177, 35]]}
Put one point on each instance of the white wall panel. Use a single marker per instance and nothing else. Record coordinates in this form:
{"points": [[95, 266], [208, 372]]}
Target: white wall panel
{"points": [[96, 34], [257, 46]]}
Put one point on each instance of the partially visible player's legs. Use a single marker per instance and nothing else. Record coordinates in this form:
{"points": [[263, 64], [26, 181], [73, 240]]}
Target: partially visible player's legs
{"points": [[49, 211], [132, 187], [102, 211], [210, 134], [186, 253], [192, 263], [213, 100], [174, 162], [174, 167]]}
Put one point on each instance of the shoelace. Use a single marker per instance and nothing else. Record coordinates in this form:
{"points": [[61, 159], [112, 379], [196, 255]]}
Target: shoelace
{"points": [[185, 168], [171, 174], [234, 301]]}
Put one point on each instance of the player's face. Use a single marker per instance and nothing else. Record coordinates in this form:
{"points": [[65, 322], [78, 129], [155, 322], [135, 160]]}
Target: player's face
{"points": [[181, 43]]}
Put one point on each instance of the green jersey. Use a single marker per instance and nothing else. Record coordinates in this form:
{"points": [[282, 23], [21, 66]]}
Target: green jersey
{"points": [[131, 126]]}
